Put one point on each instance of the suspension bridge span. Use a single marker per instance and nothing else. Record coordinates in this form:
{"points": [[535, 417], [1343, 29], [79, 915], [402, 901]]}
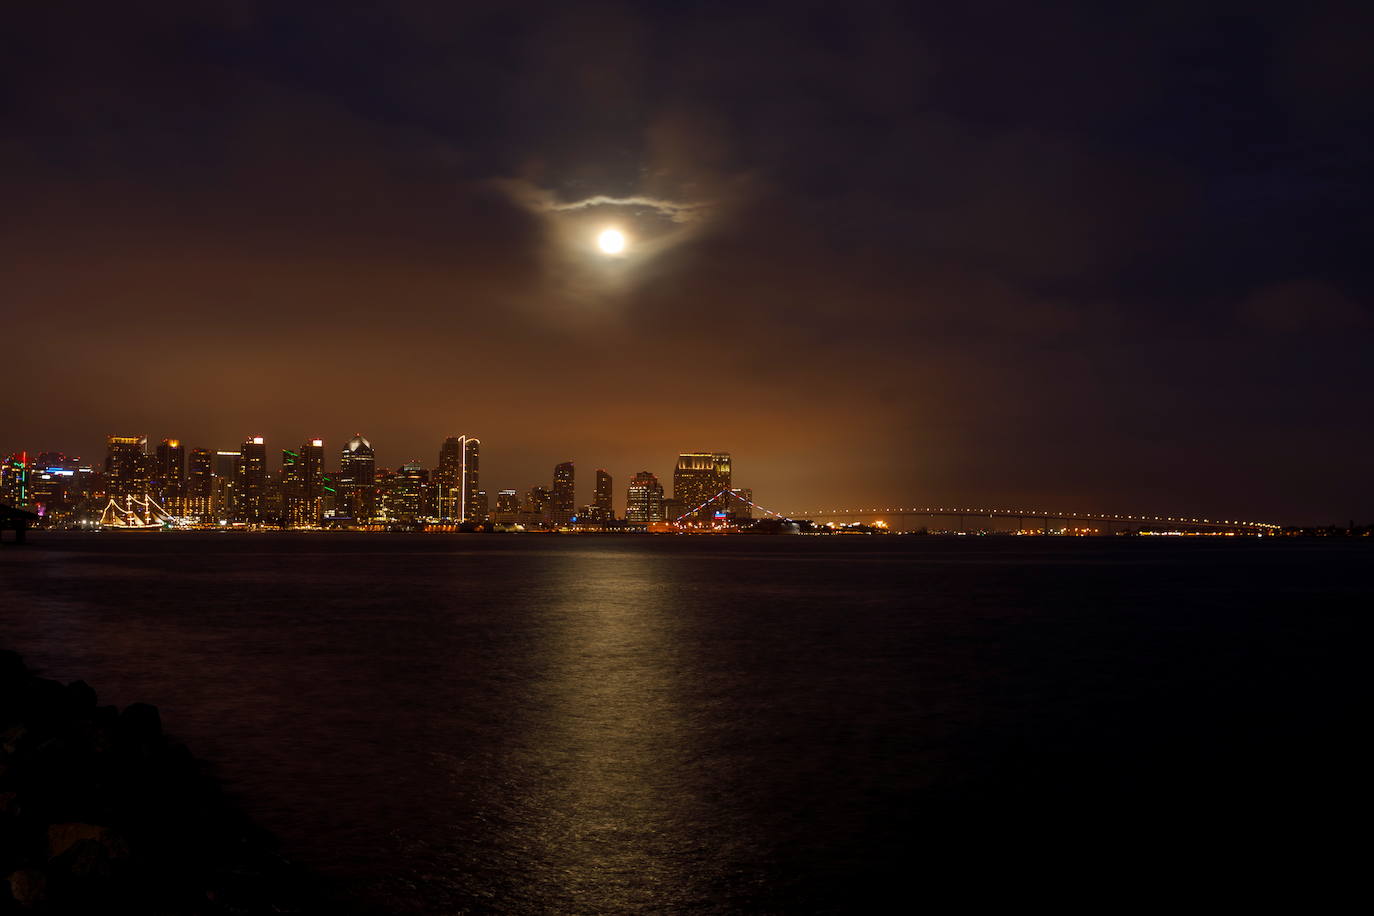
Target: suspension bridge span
{"points": [[971, 518]]}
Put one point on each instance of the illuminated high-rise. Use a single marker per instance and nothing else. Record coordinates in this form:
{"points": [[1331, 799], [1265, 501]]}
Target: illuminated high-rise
{"points": [[697, 478], [200, 485], [169, 469], [402, 493], [303, 484], [227, 485], [603, 508], [357, 479], [253, 480], [448, 478], [564, 497], [14, 480], [127, 468], [539, 503], [457, 480], [507, 502], [644, 500]]}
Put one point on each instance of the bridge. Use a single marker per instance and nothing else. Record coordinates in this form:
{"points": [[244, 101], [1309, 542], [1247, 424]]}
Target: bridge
{"points": [[974, 519], [967, 519]]}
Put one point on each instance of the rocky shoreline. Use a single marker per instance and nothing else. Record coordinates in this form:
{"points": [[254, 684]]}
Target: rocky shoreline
{"points": [[101, 812]]}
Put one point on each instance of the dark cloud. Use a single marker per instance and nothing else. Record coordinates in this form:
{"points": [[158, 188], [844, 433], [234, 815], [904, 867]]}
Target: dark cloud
{"points": [[1105, 258]]}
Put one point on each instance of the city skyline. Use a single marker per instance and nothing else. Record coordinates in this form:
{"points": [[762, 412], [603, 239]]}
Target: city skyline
{"points": [[307, 489], [586, 496]]}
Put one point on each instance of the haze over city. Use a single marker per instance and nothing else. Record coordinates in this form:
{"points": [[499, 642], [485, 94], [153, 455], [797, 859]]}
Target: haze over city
{"points": [[1104, 260]]}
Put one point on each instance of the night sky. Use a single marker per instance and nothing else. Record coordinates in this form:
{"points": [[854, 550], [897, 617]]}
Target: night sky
{"points": [[1079, 256]]}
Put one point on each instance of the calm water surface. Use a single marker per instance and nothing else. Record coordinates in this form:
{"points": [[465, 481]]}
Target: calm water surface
{"points": [[623, 725]]}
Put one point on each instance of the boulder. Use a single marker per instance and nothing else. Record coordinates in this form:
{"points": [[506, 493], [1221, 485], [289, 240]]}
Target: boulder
{"points": [[81, 696], [140, 722], [62, 837], [29, 886]]}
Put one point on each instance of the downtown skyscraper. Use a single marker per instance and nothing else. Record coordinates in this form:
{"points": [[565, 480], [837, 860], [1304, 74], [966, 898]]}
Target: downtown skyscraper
{"points": [[564, 494], [603, 507], [303, 485], [644, 499], [169, 469], [697, 478], [252, 471], [358, 479], [457, 480], [128, 471]]}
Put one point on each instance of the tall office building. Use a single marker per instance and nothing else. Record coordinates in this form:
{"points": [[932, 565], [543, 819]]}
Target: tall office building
{"points": [[128, 471], [507, 502], [357, 479], [292, 485], [564, 498], [457, 480], [403, 493], [540, 503], [312, 458], [303, 485], [603, 508], [169, 470], [253, 480], [448, 477], [644, 500], [200, 485], [742, 506], [14, 480], [698, 477], [227, 486], [474, 505]]}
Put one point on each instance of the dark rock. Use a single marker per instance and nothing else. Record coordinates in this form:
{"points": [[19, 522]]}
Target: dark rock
{"points": [[140, 722], [29, 886], [12, 737], [62, 837], [100, 812], [85, 860], [81, 696]]}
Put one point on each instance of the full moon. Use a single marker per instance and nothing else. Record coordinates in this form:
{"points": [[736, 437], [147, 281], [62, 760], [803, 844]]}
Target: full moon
{"points": [[611, 241]]}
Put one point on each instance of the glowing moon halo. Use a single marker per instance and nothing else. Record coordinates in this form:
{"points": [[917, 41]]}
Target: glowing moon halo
{"points": [[611, 241]]}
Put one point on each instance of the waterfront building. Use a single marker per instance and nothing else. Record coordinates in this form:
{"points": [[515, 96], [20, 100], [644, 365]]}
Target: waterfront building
{"points": [[603, 508], [128, 471], [14, 481], [564, 498], [253, 496], [457, 479], [403, 493], [742, 506], [539, 503], [644, 500], [357, 479], [698, 477], [303, 484], [48, 492], [198, 502], [169, 470], [507, 501], [227, 488]]}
